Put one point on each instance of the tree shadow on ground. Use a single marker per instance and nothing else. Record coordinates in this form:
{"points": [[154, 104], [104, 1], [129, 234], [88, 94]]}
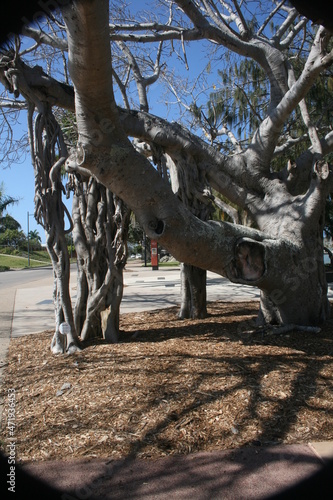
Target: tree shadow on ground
{"points": [[180, 388], [305, 354], [295, 368]]}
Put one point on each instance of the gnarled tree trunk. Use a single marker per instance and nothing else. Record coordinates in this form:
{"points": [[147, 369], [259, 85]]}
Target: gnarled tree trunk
{"points": [[47, 145], [99, 234]]}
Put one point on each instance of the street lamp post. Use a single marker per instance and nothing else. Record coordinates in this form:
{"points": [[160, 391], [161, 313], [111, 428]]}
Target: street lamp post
{"points": [[28, 215], [144, 248]]}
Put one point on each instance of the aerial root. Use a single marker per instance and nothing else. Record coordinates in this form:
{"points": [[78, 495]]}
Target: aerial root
{"points": [[282, 329]]}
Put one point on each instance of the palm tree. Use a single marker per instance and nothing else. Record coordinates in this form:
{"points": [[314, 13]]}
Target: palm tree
{"points": [[4, 202], [34, 235]]}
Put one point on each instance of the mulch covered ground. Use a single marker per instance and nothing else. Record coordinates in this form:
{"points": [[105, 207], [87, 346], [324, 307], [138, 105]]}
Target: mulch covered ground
{"points": [[171, 387]]}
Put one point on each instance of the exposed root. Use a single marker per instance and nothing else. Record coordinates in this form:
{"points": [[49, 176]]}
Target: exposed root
{"points": [[57, 344], [283, 329], [288, 328], [73, 347]]}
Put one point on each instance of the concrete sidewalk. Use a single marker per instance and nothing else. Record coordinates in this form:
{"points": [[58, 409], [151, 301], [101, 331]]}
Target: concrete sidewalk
{"points": [[144, 290], [241, 474], [249, 473]]}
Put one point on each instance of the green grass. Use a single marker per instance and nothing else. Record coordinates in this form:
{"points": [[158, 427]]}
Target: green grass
{"points": [[40, 255], [18, 262], [164, 264], [40, 258]]}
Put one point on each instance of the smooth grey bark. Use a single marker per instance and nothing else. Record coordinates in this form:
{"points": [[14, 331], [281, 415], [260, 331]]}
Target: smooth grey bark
{"points": [[271, 260], [192, 189]]}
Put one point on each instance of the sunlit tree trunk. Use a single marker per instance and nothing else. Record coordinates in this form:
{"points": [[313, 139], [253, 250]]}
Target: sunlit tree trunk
{"points": [[99, 233], [49, 155]]}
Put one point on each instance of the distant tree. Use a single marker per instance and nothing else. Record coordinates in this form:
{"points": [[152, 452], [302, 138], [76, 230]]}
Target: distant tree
{"points": [[5, 201], [11, 234], [35, 240], [8, 222], [34, 235], [12, 238], [135, 232]]}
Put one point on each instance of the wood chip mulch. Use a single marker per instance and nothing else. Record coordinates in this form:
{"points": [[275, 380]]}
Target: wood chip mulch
{"points": [[170, 387]]}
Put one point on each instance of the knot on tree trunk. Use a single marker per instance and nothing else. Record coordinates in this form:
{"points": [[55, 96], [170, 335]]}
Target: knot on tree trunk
{"points": [[156, 226], [249, 260], [321, 169]]}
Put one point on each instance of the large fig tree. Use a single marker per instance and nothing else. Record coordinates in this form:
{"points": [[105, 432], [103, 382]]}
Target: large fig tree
{"points": [[284, 255], [282, 251]]}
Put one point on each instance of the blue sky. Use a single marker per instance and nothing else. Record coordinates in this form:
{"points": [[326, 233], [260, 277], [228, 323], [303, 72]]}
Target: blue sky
{"points": [[18, 179], [18, 182]]}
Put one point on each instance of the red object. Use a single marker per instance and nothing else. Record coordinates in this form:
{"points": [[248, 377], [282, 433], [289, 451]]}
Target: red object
{"points": [[154, 254]]}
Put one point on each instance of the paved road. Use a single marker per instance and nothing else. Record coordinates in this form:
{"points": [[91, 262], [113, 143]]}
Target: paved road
{"points": [[12, 283], [144, 290], [17, 279]]}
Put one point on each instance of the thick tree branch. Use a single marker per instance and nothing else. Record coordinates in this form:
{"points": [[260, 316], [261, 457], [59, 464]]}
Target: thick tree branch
{"points": [[265, 139], [168, 33], [114, 161], [296, 175], [222, 172], [90, 63], [45, 38], [34, 83]]}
